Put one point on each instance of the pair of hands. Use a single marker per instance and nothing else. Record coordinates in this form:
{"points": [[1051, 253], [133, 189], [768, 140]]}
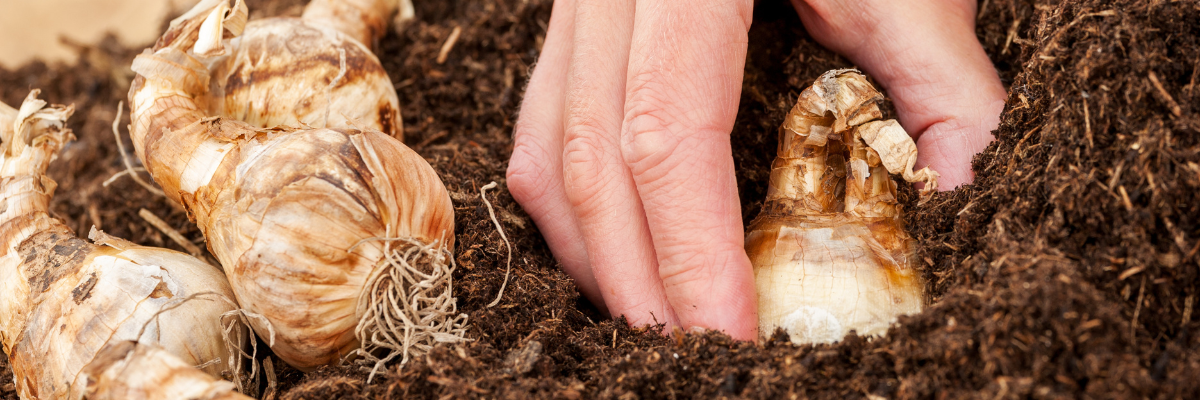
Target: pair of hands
{"points": [[622, 150]]}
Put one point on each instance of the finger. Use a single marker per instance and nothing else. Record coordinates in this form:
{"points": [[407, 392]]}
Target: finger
{"points": [[535, 169], [949, 146], [684, 80], [926, 55], [598, 183]]}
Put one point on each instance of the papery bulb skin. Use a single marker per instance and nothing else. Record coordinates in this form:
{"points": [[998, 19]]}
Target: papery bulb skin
{"points": [[304, 220], [289, 72], [364, 20], [294, 72], [63, 299], [829, 250], [135, 371]]}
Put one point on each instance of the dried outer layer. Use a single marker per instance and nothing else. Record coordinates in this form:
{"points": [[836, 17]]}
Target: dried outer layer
{"points": [[128, 370], [288, 72], [364, 20], [294, 72], [829, 251], [62, 299], [291, 214]]}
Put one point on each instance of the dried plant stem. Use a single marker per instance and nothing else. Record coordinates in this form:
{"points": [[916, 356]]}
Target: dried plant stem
{"points": [[123, 172], [449, 45], [129, 169], [171, 233], [1166, 95], [272, 381], [1087, 124], [508, 263], [407, 304], [1187, 309], [1137, 309]]}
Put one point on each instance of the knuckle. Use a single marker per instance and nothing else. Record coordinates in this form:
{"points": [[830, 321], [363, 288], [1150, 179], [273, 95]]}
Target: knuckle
{"points": [[657, 143], [686, 268], [584, 154], [745, 10], [665, 131], [696, 266], [647, 144], [529, 174], [650, 135], [583, 124]]}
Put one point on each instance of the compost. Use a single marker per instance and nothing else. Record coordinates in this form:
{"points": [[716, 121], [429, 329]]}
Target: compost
{"points": [[1070, 269]]}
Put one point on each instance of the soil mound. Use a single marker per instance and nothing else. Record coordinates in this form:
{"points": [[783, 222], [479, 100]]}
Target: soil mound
{"points": [[1070, 269]]}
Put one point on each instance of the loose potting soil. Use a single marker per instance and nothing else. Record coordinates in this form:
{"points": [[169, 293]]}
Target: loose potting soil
{"points": [[1068, 270]]}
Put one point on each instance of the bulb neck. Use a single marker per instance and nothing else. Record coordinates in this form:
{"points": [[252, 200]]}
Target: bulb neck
{"points": [[25, 191], [807, 178], [870, 190], [364, 20], [825, 176]]}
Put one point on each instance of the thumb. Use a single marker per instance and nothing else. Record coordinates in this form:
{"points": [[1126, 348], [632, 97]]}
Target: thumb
{"points": [[948, 146]]}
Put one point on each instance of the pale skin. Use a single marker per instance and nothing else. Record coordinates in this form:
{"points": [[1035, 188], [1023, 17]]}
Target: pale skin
{"points": [[622, 149]]}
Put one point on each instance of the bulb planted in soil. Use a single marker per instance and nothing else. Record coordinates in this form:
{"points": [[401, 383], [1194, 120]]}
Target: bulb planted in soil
{"points": [[829, 250]]}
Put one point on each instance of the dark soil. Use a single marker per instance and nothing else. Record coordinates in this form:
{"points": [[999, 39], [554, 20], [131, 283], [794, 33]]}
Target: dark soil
{"points": [[1069, 270]]}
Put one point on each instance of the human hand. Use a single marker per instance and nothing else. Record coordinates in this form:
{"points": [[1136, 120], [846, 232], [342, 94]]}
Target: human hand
{"points": [[622, 157], [925, 53], [621, 152]]}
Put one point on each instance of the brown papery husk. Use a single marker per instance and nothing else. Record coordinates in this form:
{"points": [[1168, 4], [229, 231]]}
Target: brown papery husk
{"points": [[297, 72], [364, 20], [286, 211], [288, 72], [63, 299], [127, 370]]}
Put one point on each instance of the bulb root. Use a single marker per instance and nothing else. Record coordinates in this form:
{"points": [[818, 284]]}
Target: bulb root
{"points": [[407, 305]]}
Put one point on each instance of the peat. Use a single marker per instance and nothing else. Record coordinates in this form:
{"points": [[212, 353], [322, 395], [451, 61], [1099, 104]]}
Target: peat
{"points": [[1070, 269]]}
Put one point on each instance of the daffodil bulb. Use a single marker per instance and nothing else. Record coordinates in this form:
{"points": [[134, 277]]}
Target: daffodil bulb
{"points": [[338, 237], [62, 298], [829, 250]]}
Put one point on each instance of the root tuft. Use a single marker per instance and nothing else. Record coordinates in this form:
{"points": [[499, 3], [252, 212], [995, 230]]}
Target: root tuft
{"points": [[407, 305]]}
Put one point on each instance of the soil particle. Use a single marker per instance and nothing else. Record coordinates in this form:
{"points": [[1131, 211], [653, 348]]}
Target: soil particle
{"points": [[8, 387], [1070, 269], [521, 361]]}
